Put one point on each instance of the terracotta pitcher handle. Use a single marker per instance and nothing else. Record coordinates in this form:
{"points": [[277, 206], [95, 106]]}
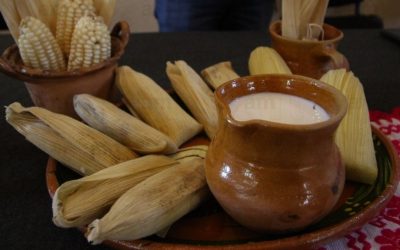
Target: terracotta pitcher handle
{"points": [[121, 31], [5, 64], [337, 59]]}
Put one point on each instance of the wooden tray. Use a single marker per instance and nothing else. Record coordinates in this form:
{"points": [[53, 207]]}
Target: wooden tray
{"points": [[209, 227]]}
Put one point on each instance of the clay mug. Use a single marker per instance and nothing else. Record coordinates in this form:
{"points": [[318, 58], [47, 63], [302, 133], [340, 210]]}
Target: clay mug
{"points": [[274, 177], [55, 90], [311, 58]]}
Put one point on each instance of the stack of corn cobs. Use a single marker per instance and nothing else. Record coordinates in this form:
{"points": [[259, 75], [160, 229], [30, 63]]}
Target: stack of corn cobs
{"points": [[81, 38]]}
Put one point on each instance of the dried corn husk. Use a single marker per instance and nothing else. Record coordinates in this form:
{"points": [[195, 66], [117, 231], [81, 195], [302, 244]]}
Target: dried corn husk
{"points": [[291, 18], [318, 17], [218, 74], [105, 9], [188, 153], [354, 136], [153, 204], [265, 60], [78, 202], [14, 11], [40, 9], [82, 148], [195, 94], [303, 19], [155, 106], [307, 9], [123, 127], [11, 16]]}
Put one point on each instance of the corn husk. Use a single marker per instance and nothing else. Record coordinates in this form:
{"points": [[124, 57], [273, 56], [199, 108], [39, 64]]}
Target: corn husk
{"points": [[354, 136], [105, 9], [303, 19], [188, 153], [291, 18], [265, 60], [195, 94], [78, 202], [121, 126], [153, 204], [218, 74], [40, 9], [76, 145], [318, 17], [14, 11], [155, 106], [11, 16]]}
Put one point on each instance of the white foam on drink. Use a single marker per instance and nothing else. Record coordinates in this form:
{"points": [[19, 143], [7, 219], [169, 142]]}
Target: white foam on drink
{"points": [[277, 107]]}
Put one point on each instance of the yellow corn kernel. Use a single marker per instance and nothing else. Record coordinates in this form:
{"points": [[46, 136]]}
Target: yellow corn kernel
{"points": [[91, 43], [38, 47], [69, 12]]}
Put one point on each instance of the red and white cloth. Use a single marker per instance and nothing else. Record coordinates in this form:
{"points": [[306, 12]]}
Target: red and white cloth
{"points": [[382, 232]]}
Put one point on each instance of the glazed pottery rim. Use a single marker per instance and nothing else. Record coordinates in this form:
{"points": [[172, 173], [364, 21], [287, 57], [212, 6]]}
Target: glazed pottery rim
{"points": [[339, 98], [10, 60], [277, 35]]}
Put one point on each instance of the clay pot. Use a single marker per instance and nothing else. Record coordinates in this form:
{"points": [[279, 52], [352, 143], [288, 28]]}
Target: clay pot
{"points": [[55, 90], [275, 177], [308, 57]]}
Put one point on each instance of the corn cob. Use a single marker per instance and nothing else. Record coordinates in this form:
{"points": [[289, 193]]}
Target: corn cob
{"points": [[78, 202], [155, 106], [354, 137], [69, 12], [37, 46], [153, 204], [195, 94], [123, 127], [76, 145], [218, 74], [91, 43], [265, 60]]}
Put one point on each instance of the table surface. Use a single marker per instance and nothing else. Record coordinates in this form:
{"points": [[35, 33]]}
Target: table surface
{"points": [[25, 206]]}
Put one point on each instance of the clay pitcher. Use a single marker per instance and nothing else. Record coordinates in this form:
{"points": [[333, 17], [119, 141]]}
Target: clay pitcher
{"points": [[275, 177], [55, 90], [311, 58]]}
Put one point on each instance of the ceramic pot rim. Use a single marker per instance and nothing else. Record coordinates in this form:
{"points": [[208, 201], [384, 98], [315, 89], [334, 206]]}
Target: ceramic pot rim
{"points": [[333, 121], [274, 34]]}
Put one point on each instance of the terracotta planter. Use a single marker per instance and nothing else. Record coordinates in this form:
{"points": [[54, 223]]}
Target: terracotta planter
{"points": [[306, 57], [275, 177], [55, 90]]}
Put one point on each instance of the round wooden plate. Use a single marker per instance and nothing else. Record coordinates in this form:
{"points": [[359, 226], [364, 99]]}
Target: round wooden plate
{"points": [[209, 227]]}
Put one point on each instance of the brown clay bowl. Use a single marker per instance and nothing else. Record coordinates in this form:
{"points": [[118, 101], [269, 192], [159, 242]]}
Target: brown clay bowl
{"points": [[209, 227], [308, 57], [54, 90]]}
